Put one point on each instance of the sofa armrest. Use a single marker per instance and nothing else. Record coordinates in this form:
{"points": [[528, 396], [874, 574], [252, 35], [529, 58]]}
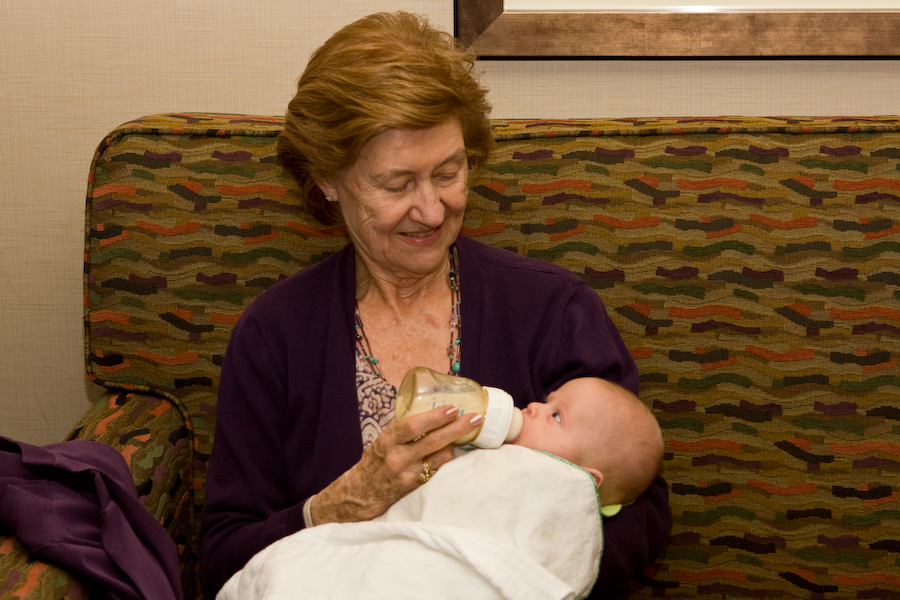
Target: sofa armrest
{"points": [[24, 578], [155, 440]]}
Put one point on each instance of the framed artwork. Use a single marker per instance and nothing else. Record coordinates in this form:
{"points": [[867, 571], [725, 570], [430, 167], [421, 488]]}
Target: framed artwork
{"points": [[494, 31]]}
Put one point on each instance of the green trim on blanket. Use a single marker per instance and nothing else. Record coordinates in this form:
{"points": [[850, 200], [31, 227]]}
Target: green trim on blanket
{"points": [[583, 470], [605, 511], [616, 507], [596, 496]]}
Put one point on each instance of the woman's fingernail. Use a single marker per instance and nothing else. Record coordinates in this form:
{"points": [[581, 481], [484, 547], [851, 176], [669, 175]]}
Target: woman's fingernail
{"points": [[452, 411], [476, 419]]}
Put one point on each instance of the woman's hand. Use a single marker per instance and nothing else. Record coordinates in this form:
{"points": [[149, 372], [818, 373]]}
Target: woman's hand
{"points": [[390, 467]]}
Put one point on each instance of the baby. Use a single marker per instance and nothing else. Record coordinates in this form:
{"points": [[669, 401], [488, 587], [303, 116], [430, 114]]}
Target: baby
{"points": [[601, 427], [505, 523]]}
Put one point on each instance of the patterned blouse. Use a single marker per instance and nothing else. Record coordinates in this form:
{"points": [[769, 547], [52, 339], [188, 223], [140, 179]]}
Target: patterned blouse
{"points": [[376, 400]]}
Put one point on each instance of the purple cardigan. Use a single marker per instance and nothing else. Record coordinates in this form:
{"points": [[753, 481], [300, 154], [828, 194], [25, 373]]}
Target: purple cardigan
{"points": [[288, 415]]}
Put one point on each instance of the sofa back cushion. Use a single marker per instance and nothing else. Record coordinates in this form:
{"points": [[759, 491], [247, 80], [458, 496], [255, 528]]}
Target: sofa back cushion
{"points": [[751, 266], [188, 219]]}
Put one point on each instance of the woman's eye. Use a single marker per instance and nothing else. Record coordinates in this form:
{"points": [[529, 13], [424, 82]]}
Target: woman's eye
{"points": [[556, 416], [449, 175]]}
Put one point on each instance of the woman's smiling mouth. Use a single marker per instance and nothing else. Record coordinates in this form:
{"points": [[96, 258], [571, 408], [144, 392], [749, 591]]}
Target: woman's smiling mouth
{"points": [[420, 234]]}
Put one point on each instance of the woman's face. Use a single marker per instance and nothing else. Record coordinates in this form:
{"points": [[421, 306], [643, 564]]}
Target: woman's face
{"points": [[403, 200]]}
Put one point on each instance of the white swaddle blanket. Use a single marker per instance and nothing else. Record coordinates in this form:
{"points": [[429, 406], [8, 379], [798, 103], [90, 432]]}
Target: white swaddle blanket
{"points": [[507, 523]]}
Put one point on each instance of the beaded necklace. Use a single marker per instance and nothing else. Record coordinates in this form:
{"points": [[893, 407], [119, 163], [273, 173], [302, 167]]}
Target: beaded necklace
{"points": [[453, 350]]}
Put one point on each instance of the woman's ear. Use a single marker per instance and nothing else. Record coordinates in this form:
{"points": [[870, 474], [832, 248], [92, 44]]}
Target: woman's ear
{"points": [[326, 186], [598, 476]]}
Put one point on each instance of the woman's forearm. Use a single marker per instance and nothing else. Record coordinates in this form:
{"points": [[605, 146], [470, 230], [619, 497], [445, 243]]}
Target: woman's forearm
{"points": [[390, 467], [343, 502]]}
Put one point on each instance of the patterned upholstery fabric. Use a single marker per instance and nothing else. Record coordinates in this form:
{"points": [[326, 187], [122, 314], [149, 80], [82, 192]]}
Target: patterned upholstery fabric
{"points": [[752, 266]]}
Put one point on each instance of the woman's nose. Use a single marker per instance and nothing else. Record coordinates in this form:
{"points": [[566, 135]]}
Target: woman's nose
{"points": [[428, 208]]}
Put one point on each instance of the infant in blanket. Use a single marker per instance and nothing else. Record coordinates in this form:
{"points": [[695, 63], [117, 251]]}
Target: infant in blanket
{"points": [[601, 427], [491, 523]]}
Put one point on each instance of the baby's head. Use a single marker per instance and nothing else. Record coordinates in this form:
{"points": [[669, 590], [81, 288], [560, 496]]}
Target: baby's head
{"points": [[601, 427]]}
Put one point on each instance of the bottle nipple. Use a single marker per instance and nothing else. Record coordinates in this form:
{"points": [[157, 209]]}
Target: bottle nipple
{"points": [[502, 423], [515, 427]]}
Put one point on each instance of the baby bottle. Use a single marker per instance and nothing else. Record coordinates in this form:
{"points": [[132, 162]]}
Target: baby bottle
{"points": [[423, 389]]}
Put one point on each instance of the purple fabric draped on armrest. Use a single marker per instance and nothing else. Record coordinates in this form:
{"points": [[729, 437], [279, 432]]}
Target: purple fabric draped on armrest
{"points": [[74, 504]]}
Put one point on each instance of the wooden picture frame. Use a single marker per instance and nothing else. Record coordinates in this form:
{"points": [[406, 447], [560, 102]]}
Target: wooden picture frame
{"points": [[493, 33]]}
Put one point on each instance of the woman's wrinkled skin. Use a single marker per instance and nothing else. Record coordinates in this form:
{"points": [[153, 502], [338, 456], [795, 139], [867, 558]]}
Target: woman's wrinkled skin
{"points": [[403, 202], [390, 467]]}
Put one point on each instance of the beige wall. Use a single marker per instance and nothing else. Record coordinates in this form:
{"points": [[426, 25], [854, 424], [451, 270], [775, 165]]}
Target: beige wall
{"points": [[71, 71]]}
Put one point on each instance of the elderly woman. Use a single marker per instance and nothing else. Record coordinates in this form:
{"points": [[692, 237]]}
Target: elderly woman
{"points": [[387, 119]]}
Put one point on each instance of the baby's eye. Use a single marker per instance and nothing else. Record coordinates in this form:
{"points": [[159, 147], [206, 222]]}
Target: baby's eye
{"points": [[556, 416]]}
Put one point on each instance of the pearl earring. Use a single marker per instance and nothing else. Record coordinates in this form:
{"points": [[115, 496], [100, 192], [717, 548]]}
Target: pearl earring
{"points": [[329, 198]]}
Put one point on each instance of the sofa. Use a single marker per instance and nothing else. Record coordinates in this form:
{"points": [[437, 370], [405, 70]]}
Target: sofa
{"points": [[752, 266]]}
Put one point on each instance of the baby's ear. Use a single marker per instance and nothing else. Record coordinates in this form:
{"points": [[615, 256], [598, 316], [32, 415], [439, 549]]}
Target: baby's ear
{"points": [[598, 476]]}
